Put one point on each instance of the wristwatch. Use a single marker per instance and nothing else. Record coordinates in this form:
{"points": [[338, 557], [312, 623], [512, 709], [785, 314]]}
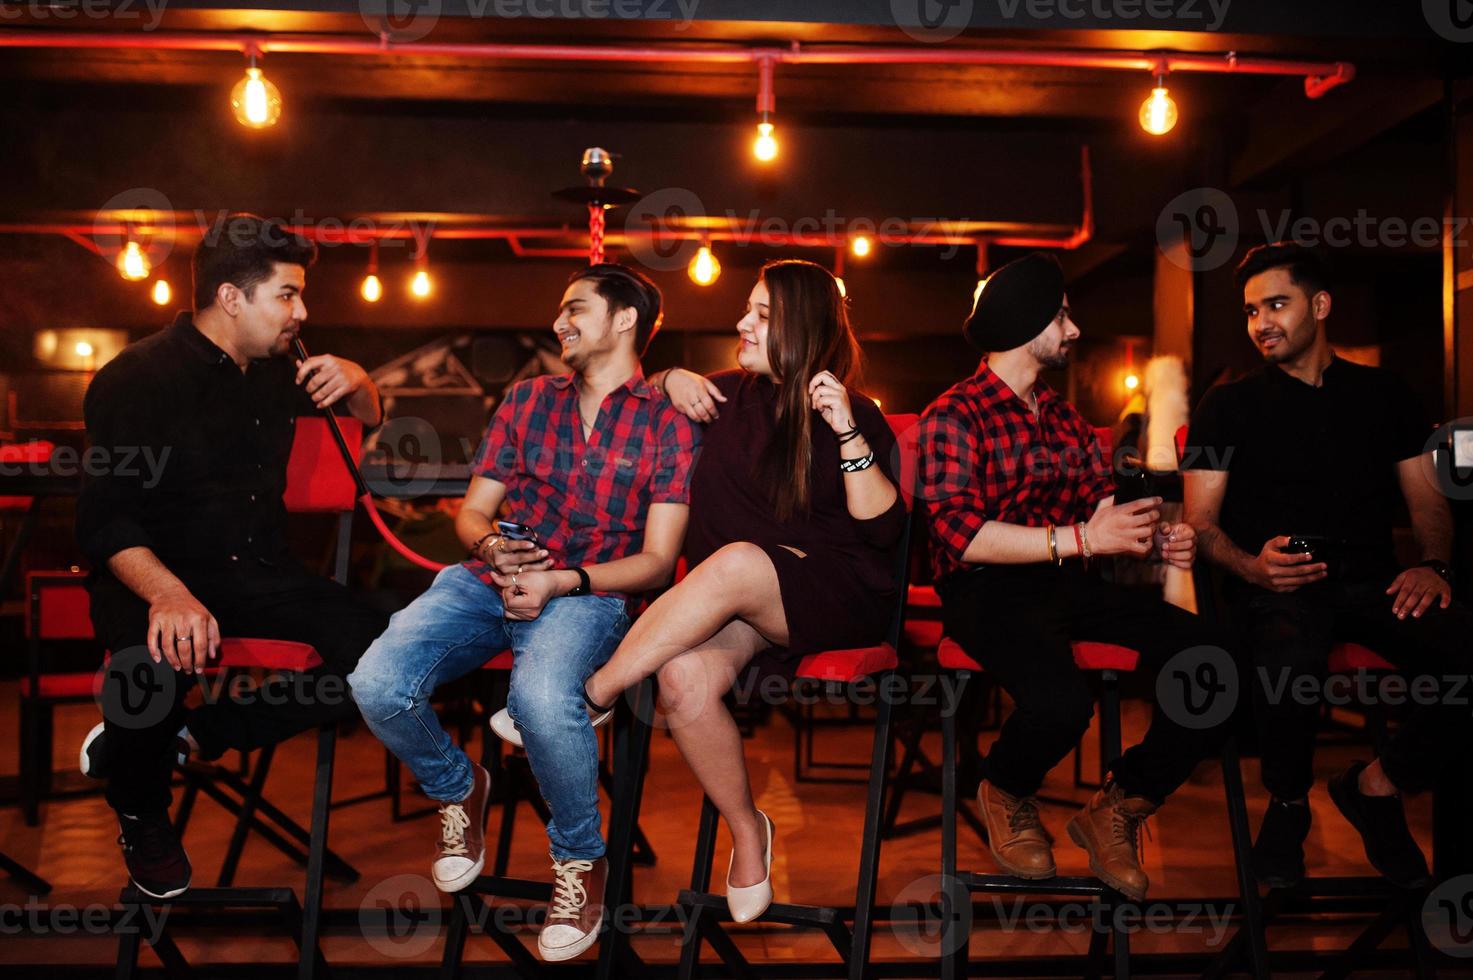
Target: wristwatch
{"points": [[584, 586], [1440, 567]]}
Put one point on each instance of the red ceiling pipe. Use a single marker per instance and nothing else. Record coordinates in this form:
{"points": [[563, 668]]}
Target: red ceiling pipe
{"points": [[1320, 76]]}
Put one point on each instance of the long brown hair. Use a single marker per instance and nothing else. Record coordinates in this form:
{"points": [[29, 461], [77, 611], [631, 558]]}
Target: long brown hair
{"points": [[808, 331]]}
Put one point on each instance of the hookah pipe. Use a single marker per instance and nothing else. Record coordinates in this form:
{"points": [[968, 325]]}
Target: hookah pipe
{"points": [[365, 497], [597, 164]]}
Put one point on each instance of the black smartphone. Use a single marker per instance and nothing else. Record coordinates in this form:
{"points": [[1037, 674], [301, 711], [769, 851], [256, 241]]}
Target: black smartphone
{"points": [[516, 532], [1134, 482], [1320, 547]]}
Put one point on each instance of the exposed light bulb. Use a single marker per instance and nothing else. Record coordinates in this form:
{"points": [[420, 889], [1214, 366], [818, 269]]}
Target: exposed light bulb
{"points": [[764, 148], [162, 292], [83, 349], [704, 268], [133, 263], [1132, 382], [255, 100], [420, 285], [1158, 113], [861, 246], [372, 290]]}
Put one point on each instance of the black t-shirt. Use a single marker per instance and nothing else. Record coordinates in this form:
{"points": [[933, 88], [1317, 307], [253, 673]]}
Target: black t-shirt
{"points": [[191, 453], [1311, 461]]}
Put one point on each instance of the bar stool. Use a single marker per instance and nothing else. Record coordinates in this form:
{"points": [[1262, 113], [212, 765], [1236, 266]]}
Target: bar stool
{"points": [[317, 483], [301, 918], [1401, 908], [616, 957], [57, 617], [706, 911], [1109, 660]]}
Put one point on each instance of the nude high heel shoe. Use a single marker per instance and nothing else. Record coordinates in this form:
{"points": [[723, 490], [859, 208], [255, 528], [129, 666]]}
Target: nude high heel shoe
{"points": [[747, 903]]}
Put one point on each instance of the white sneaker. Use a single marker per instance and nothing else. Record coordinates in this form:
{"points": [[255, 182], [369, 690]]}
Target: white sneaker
{"points": [[95, 758], [506, 729]]}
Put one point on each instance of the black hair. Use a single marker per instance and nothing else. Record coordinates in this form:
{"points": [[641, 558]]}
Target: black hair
{"points": [[624, 289], [243, 249], [1309, 269]]}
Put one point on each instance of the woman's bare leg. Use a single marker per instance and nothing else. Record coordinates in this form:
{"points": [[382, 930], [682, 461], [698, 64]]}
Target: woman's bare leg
{"points": [[736, 582], [692, 686]]}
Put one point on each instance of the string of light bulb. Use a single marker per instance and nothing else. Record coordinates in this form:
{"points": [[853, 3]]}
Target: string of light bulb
{"points": [[256, 101]]}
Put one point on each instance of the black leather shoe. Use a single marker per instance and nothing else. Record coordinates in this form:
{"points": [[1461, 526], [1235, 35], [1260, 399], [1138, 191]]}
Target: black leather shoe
{"points": [[1278, 853], [1382, 823], [155, 858]]}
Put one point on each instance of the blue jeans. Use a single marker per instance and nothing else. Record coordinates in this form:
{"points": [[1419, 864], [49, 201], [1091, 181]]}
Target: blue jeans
{"points": [[451, 630]]}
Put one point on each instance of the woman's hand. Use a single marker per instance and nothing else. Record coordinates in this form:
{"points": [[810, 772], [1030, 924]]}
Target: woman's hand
{"points": [[830, 399], [692, 395]]}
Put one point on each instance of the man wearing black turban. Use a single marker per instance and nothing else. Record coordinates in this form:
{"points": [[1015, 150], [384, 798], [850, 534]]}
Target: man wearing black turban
{"points": [[1020, 498]]}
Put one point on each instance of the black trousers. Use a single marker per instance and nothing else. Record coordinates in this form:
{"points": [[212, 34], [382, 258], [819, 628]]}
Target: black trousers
{"points": [[1289, 636], [143, 703], [1018, 623]]}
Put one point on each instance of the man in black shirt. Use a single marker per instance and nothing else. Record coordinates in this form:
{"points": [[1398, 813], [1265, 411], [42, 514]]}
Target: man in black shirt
{"points": [[1293, 479], [198, 549]]}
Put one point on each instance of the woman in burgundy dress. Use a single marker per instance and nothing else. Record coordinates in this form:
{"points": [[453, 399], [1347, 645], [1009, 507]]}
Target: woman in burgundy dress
{"points": [[793, 524]]}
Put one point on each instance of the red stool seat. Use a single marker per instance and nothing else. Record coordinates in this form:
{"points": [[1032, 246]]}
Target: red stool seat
{"points": [[270, 654], [1348, 657], [1088, 655], [848, 665], [502, 661], [23, 452], [951, 656], [922, 596], [55, 686], [924, 633]]}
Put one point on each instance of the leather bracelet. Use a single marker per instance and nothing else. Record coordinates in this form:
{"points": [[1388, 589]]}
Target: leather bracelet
{"points": [[850, 436], [584, 585], [476, 548], [855, 465]]}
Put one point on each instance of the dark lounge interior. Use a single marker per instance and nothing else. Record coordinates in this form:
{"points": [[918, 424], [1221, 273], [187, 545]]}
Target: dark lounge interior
{"points": [[921, 145]]}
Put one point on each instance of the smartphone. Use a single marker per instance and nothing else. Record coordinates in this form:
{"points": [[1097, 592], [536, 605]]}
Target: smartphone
{"points": [[1134, 483], [516, 532], [1319, 547]]}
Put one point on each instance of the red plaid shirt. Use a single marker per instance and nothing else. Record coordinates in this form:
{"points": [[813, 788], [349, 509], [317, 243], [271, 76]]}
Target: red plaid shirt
{"points": [[587, 499], [984, 456]]}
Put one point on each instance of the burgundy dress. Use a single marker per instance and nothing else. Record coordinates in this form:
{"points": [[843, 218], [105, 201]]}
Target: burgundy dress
{"points": [[843, 593]]}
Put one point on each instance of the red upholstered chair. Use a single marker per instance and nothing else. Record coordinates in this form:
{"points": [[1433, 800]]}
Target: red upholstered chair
{"points": [[317, 482], [1109, 660], [837, 667], [24, 511], [57, 620]]}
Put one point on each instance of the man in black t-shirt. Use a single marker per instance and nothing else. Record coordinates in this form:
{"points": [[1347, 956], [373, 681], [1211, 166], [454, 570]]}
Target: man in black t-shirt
{"points": [[1293, 479]]}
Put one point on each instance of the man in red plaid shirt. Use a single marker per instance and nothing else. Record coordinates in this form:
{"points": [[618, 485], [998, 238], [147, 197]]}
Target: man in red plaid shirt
{"points": [[1020, 497], [591, 471]]}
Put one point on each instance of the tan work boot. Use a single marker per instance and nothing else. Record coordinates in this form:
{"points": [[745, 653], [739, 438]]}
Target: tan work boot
{"points": [[576, 911], [1109, 830], [1018, 841]]}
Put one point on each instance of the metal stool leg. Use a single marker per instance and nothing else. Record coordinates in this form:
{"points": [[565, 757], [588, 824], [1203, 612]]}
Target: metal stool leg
{"points": [[310, 958], [955, 926], [631, 749], [33, 882], [700, 881], [869, 854]]}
